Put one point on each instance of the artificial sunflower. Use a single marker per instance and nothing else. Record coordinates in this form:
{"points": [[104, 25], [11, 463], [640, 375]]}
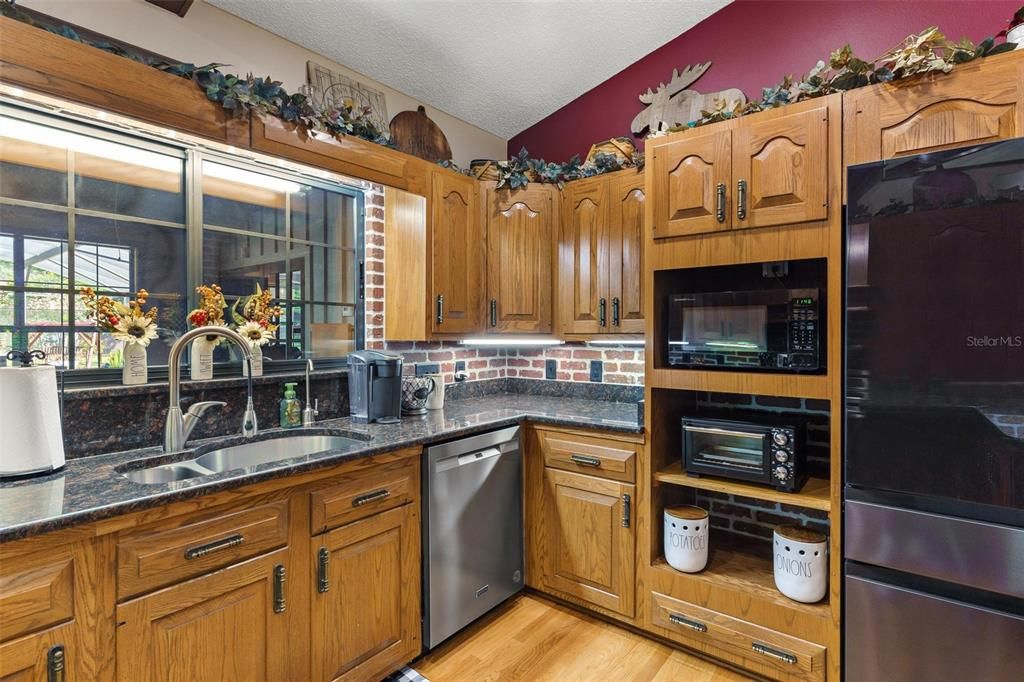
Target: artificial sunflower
{"points": [[128, 323], [255, 333]]}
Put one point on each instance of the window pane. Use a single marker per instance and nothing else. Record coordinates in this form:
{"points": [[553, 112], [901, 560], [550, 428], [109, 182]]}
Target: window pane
{"points": [[323, 274], [53, 343], [6, 311], [324, 217], [150, 188], [37, 239], [238, 263], [45, 310], [244, 200], [332, 331], [33, 162], [119, 255]]}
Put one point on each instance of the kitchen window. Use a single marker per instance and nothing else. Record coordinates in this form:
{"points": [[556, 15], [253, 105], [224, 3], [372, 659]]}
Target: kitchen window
{"points": [[83, 206]]}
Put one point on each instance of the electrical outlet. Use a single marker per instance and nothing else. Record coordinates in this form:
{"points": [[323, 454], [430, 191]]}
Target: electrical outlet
{"points": [[423, 368], [596, 370], [550, 369], [460, 365]]}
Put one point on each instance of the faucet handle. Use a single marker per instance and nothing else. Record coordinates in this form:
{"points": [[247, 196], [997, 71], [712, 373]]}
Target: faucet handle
{"points": [[197, 409]]}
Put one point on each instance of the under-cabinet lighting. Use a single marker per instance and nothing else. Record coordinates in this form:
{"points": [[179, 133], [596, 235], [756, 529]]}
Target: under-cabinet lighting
{"points": [[232, 174], [510, 341], [609, 342]]}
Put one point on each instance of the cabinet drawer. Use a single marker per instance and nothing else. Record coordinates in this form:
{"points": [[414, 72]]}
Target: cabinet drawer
{"points": [[593, 456], [363, 493], [168, 552], [769, 652], [36, 591]]}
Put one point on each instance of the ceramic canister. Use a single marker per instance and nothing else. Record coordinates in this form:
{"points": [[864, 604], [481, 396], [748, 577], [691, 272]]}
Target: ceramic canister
{"points": [[686, 538], [801, 563]]}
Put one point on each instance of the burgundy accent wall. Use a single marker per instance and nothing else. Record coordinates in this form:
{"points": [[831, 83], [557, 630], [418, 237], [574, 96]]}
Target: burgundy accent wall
{"points": [[753, 44]]}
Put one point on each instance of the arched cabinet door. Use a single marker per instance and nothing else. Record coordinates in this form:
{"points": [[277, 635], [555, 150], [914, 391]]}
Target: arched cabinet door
{"points": [[977, 103], [583, 253], [626, 268], [690, 177], [457, 255], [520, 251]]}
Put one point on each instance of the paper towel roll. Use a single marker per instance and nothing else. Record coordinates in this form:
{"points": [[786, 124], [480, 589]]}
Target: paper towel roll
{"points": [[30, 413]]}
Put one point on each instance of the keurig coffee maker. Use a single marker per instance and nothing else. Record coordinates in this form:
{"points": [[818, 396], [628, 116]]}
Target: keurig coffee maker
{"points": [[375, 386]]}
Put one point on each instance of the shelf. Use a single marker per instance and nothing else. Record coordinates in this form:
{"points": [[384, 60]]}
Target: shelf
{"points": [[747, 574], [748, 383], [815, 494]]}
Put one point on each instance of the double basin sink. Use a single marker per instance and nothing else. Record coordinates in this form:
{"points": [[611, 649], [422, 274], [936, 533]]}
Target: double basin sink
{"points": [[285, 446]]}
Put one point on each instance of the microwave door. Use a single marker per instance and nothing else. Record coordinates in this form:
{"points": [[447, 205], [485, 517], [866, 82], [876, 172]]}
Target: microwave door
{"points": [[934, 370]]}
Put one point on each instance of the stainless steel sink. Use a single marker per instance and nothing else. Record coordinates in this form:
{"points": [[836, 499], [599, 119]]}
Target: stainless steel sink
{"points": [[240, 457], [261, 452], [168, 473]]}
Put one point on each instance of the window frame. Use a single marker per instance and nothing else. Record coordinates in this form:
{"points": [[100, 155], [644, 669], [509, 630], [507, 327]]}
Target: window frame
{"points": [[192, 153]]}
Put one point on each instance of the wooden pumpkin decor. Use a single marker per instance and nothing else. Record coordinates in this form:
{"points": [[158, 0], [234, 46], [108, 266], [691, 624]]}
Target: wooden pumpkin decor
{"points": [[673, 104], [414, 133]]}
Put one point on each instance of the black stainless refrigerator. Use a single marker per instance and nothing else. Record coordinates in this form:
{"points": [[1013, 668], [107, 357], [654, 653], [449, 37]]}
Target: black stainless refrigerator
{"points": [[934, 387]]}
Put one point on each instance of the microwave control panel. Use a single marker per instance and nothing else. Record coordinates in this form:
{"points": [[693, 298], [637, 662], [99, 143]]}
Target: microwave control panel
{"points": [[803, 332]]}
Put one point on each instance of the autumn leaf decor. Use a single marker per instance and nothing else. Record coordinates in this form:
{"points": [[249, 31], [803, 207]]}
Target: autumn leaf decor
{"points": [[128, 323], [255, 317]]}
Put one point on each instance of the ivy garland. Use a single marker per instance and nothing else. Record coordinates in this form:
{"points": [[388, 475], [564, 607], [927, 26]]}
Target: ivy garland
{"points": [[926, 52]]}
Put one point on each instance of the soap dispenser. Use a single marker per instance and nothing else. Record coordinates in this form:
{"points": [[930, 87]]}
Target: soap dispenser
{"points": [[291, 408]]}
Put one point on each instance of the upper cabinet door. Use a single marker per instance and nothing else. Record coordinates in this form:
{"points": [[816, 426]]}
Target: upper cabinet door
{"points": [[690, 180], [583, 257], [457, 251], [520, 245], [626, 268], [780, 167]]}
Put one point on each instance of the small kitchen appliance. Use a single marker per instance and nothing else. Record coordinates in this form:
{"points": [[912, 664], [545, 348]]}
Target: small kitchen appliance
{"points": [[762, 451], [375, 386], [30, 414]]}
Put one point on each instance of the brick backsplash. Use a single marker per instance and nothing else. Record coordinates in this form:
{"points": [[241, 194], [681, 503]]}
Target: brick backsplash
{"points": [[621, 364], [755, 519]]}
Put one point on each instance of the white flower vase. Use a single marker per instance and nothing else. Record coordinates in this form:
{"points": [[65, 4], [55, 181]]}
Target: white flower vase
{"points": [[1016, 35], [257, 363], [686, 538], [202, 358], [801, 563], [136, 367]]}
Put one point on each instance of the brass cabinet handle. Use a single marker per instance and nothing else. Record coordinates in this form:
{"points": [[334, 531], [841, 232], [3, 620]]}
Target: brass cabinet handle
{"points": [[371, 497], [279, 579], [323, 559], [215, 546], [440, 309], [720, 202], [772, 652], [627, 503], [494, 312], [602, 312], [694, 625], [585, 461], [55, 664], [615, 311], [741, 199]]}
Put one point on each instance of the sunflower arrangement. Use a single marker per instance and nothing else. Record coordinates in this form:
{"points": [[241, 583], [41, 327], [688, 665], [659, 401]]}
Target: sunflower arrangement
{"points": [[128, 323], [210, 312], [256, 316]]}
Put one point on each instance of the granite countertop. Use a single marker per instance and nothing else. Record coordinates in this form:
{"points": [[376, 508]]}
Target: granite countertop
{"points": [[92, 488]]}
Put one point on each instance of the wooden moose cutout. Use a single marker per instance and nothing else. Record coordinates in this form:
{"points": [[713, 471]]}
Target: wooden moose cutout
{"points": [[673, 104]]}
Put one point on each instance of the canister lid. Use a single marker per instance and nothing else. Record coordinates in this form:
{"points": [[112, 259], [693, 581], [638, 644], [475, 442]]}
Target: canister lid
{"points": [[800, 534], [687, 512]]}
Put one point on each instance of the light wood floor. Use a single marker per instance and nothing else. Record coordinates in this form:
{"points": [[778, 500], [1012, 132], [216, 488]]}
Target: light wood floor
{"points": [[531, 638]]}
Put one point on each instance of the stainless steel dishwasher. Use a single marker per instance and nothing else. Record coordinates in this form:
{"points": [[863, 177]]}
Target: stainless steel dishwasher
{"points": [[472, 530]]}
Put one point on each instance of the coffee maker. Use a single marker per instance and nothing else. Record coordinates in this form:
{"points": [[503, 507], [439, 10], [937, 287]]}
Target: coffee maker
{"points": [[375, 386]]}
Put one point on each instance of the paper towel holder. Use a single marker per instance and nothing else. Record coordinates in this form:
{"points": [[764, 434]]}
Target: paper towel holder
{"points": [[25, 357]]}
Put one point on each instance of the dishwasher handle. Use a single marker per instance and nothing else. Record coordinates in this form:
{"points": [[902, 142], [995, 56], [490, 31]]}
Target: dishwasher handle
{"points": [[464, 460]]}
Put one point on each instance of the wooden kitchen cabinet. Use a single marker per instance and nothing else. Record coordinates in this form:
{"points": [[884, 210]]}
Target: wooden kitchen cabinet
{"points": [[366, 607], [601, 256], [688, 178], [457, 255], [520, 254], [233, 624]]}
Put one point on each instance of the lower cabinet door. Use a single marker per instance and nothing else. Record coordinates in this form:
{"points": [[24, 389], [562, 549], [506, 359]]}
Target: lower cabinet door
{"points": [[229, 625], [46, 655], [589, 540], [366, 604]]}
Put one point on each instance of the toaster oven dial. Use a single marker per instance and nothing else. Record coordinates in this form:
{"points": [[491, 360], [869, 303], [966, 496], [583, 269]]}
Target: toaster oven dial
{"points": [[780, 437], [781, 456], [781, 473]]}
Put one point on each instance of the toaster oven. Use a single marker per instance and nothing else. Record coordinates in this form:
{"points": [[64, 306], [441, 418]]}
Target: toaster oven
{"points": [[758, 452]]}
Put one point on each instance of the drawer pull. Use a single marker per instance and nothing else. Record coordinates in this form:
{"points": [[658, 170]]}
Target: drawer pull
{"points": [[627, 505], [585, 461], [695, 625], [772, 652], [741, 194], [720, 202], [55, 664], [216, 546], [371, 497], [323, 558], [279, 600]]}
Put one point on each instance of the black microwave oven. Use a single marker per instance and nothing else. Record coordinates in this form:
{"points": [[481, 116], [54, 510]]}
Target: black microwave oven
{"points": [[774, 330], [763, 451]]}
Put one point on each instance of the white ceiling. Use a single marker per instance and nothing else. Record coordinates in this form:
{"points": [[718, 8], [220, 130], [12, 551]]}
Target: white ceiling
{"points": [[501, 65]]}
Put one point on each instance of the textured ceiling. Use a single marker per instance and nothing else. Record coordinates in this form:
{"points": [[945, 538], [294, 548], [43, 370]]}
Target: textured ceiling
{"points": [[501, 65]]}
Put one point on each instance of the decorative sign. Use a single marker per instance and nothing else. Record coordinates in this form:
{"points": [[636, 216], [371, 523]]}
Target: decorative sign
{"points": [[330, 88], [673, 104]]}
